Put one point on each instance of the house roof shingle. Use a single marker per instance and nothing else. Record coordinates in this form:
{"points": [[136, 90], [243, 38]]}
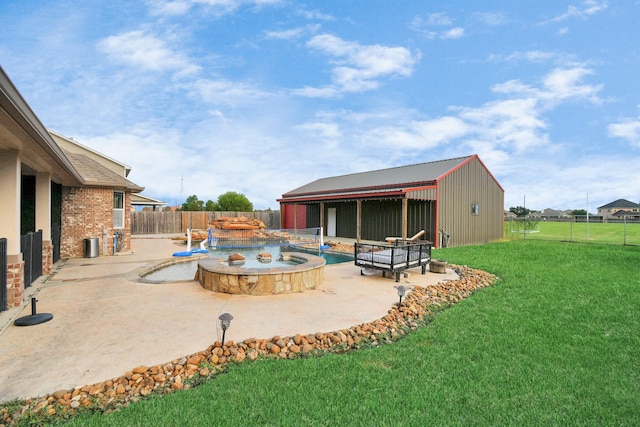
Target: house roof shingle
{"points": [[95, 174], [620, 203]]}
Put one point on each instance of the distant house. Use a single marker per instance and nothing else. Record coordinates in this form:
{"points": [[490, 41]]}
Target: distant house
{"points": [[508, 215], [619, 208], [628, 215], [56, 190], [146, 203], [549, 214], [456, 201]]}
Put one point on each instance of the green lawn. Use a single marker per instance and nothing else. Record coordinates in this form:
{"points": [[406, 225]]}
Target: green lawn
{"points": [[555, 342], [593, 232]]}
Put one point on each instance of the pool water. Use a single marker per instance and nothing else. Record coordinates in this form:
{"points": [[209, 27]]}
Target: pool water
{"points": [[186, 270], [254, 263], [330, 257], [275, 251]]}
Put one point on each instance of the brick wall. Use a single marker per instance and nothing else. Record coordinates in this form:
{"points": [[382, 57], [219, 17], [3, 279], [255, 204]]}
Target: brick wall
{"points": [[86, 212], [47, 258], [15, 283]]}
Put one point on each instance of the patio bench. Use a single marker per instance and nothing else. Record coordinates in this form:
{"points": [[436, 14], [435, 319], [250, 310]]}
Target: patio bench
{"points": [[393, 258]]}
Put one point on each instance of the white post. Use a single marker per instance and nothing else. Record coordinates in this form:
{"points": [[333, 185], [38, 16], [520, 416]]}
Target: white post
{"points": [[587, 216], [321, 237]]}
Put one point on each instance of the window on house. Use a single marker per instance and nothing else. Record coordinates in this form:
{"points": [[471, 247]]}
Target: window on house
{"points": [[475, 209], [118, 209]]}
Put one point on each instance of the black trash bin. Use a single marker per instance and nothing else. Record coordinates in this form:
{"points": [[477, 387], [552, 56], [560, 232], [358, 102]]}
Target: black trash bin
{"points": [[91, 247]]}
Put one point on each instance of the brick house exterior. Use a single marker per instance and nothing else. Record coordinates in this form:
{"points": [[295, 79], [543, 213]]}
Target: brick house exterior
{"points": [[56, 189], [88, 212]]}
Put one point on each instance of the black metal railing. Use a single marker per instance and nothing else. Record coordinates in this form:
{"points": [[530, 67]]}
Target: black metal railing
{"points": [[3, 274], [31, 247], [393, 258], [55, 241]]}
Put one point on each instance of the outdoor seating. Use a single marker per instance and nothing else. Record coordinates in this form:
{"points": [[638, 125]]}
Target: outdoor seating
{"points": [[412, 239], [393, 258]]}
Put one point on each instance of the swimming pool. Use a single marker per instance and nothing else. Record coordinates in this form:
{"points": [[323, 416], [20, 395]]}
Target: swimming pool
{"points": [[186, 269], [276, 251]]}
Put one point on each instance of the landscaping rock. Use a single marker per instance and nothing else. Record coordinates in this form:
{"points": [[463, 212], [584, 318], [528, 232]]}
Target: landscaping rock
{"points": [[169, 377]]}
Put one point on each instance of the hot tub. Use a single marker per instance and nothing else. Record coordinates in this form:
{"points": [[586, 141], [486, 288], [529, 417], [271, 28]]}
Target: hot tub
{"points": [[305, 272]]}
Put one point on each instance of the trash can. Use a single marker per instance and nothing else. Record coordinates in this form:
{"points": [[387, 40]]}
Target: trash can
{"points": [[91, 247]]}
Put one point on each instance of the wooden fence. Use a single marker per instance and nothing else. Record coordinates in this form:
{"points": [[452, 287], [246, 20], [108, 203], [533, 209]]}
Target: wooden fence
{"points": [[167, 222]]}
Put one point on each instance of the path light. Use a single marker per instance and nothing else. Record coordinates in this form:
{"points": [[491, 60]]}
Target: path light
{"points": [[402, 290], [225, 321]]}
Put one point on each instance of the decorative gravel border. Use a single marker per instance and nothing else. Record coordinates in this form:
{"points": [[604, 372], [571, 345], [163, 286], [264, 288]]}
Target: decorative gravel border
{"points": [[189, 371]]}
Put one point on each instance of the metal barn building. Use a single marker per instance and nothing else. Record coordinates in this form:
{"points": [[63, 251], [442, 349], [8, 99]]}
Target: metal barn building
{"points": [[456, 201]]}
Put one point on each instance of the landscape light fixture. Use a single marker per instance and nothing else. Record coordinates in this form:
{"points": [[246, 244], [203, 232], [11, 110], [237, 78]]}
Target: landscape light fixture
{"points": [[402, 290], [225, 322]]}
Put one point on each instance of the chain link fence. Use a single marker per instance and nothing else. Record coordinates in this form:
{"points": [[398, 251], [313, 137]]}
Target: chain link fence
{"points": [[625, 231]]}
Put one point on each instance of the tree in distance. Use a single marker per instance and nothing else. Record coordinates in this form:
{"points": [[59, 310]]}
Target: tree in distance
{"points": [[193, 204], [520, 211], [227, 202], [232, 201]]}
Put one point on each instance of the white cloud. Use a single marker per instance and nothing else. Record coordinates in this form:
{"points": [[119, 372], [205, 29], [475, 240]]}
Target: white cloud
{"points": [[146, 51], [225, 92], [425, 26], [516, 87], [358, 67], [417, 134], [572, 183], [453, 33], [173, 7], [323, 130], [565, 83], [512, 123], [587, 8], [536, 56], [314, 14], [215, 7], [292, 33], [627, 129], [439, 19], [558, 85], [492, 19], [317, 92]]}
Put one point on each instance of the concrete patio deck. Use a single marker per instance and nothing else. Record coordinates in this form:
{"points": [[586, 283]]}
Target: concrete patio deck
{"points": [[106, 322]]}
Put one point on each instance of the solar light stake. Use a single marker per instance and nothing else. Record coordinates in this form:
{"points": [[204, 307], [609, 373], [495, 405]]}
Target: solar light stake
{"points": [[402, 290], [225, 322]]}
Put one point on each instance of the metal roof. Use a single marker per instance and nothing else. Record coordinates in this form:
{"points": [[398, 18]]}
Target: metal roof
{"points": [[381, 181]]}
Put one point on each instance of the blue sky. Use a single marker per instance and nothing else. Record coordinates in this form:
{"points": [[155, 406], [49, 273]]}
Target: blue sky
{"points": [[263, 96]]}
